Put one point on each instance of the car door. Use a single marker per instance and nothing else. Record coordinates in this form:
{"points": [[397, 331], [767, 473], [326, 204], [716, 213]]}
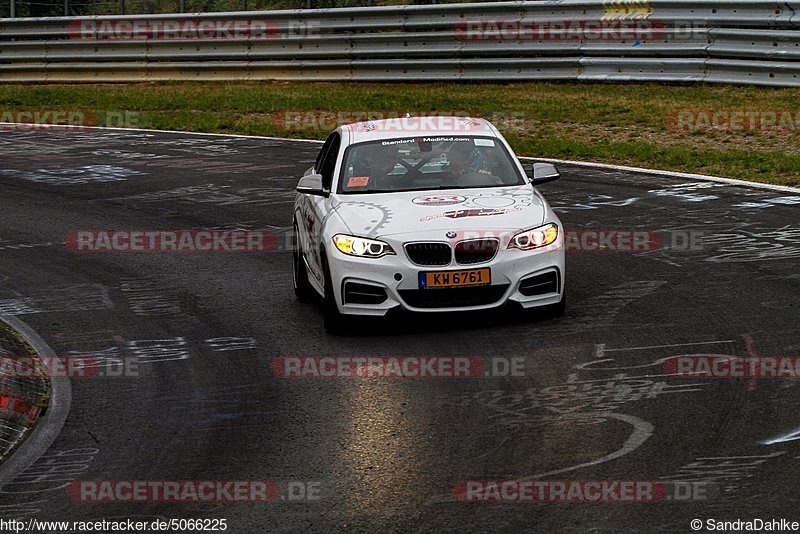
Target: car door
{"points": [[304, 215], [319, 207]]}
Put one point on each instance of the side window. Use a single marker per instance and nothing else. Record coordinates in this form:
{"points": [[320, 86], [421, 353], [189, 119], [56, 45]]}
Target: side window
{"points": [[323, 151], [328, 164]]}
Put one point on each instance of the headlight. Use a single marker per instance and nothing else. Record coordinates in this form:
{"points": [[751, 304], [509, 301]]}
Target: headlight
{"points": [[538, 237], [361, 247]]}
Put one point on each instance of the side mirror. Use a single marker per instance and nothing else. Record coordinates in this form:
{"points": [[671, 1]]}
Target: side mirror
{"points": [[311, 185], [544, 172]]}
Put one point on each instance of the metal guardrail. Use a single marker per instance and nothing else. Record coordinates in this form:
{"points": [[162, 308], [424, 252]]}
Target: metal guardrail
{"points": [[750, 42]]}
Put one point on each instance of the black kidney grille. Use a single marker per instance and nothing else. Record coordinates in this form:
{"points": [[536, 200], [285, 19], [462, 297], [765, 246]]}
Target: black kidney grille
{"points": [[476, 251], [429, 253]]}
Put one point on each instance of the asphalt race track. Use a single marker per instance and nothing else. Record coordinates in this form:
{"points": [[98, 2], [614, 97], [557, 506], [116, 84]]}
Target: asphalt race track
{"points": [[385, 454]]}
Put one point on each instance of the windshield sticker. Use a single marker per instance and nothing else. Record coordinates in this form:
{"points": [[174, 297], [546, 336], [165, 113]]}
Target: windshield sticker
{"points": [[483, 142], [398, 142], [460, 214], [439, 200], [358, 181], [426, 140]]}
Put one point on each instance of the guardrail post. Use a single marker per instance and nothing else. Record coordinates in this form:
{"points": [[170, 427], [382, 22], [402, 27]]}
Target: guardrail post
{"points": [[244, 5], [66, 8], [183, 6], [13, 9], [121, 7]]}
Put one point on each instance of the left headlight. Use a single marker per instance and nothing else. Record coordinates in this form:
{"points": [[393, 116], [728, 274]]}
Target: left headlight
{"points": [[538, 237], [361, 247]]}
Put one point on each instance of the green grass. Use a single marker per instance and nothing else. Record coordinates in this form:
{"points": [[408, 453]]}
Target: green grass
{"points": [[624, 124]]}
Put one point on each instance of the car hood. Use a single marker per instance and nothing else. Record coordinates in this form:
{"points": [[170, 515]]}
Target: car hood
{"points": [[386, 214]]}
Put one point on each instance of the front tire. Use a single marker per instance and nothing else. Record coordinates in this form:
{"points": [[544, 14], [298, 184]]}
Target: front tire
{"points": [[302, 287]]}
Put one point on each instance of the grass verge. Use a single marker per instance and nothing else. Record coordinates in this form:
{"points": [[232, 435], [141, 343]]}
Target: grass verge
{"points": [[648, 125]]}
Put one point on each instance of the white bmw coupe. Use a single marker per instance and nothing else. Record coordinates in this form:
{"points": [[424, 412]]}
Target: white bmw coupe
{"points": [[437, 216]]}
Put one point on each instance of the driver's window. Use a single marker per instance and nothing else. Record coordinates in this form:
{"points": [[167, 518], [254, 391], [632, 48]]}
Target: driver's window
{"points": [[328, 163], [323, 151]]}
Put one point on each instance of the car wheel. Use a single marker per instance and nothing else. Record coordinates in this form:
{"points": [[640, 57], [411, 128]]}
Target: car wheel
{"points": [[302, 287], [335, 321]]}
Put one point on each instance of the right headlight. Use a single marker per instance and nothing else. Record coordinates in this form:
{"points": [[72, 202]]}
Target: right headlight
{"points": [[361, 246], [535, 238]]}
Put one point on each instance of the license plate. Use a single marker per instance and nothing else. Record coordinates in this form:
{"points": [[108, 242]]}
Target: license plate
{"points": [[471, 277]]}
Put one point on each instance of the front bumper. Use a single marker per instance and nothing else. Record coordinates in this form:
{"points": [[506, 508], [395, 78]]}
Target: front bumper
{"points": [[359, 283]]}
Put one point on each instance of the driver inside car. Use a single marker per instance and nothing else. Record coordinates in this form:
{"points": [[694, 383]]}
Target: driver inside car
{"points": [[463, 167], [372, 167]]}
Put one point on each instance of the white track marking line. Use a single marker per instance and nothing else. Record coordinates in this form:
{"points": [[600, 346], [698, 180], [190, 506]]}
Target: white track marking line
{"points": [[604, 350], [642, 430]]}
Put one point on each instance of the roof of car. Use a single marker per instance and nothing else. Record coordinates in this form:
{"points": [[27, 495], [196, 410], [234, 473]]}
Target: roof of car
{"points": [[429, 126]]}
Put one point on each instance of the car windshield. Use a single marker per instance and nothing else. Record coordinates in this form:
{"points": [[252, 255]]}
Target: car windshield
{"points": [[424, 163]]}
